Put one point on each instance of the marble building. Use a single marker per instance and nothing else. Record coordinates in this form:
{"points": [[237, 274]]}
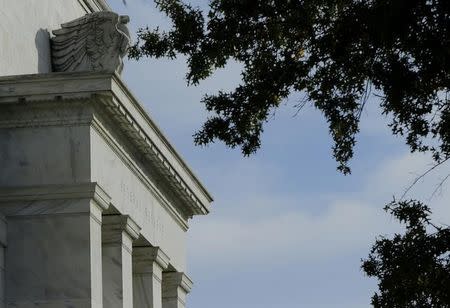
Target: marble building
{"points": [[94, 200]]}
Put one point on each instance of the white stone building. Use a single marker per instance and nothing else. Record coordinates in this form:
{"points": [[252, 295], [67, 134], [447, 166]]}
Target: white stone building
{"points": [[94, 200]]}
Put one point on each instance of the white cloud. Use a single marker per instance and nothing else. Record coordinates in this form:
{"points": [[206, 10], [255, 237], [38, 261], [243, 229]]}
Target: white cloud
{"points": [[255, 221], [396, 175], [348, 226], [294, 236], [258, 223]]}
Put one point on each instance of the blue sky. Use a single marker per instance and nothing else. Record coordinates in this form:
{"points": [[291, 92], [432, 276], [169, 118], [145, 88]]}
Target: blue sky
{"points": [[286, 229]]}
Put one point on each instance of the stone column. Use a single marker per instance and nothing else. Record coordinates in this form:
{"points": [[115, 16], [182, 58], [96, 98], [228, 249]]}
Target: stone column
{"points": [[53, 257], [148, 265], [175, 287], [118, 234]]}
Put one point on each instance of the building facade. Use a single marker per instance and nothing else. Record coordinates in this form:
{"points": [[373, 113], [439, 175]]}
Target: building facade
{"points": [[94, 200]]}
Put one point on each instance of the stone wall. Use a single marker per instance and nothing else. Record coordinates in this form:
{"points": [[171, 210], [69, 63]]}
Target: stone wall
{"points": [[24, 31], [94, 200]]}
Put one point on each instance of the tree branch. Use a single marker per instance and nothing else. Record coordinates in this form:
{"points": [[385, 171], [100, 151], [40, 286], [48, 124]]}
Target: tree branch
{"points": [[422, 176]]}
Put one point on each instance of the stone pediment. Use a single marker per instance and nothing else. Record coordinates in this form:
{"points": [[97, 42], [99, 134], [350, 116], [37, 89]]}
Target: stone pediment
{"points": [[108, 94]]}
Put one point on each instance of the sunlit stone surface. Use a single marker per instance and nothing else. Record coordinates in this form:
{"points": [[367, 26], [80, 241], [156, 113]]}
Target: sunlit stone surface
{"points": [[94, 200]]}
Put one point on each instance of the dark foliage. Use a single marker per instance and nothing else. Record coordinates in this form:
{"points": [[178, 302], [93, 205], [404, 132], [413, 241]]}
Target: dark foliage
{"points": [[413, 269], [337, 52], [334, 51]]}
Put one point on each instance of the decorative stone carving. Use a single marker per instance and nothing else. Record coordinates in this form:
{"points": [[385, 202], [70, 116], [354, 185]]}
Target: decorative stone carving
{"points": [[95, 42]]}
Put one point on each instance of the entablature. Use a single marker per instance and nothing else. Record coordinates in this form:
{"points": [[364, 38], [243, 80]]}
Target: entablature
{"points": [[110, 94]]}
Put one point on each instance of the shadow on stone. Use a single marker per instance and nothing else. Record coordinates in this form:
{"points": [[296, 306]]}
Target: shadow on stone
{"points": [[42, 42]]}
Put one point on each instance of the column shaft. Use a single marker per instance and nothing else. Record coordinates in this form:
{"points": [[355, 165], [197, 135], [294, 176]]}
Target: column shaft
{"points": [[53, 257], [175, 288], [148, 264], [118, 233]]}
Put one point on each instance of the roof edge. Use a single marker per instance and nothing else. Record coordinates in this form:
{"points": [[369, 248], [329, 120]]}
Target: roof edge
{"points": [[109, 89], [166, 142]]}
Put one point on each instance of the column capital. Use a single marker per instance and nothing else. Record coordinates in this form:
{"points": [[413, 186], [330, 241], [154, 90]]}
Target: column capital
{"points": [[174, 280], [148, 254], [15, 200], [148, 265], [118, 234], [115, 224]]}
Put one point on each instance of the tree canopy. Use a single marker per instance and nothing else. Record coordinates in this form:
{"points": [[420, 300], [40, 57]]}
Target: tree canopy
{"points": [[413, 269], [336, 52]]}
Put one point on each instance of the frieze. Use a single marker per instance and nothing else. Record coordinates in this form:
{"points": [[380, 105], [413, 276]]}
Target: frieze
{"points": [[108, 91], [147, 209]]}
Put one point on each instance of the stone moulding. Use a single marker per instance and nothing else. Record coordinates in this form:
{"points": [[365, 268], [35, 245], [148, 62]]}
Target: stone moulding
{"points": [[54, 192], [177, 279], [138, 173], [109, 91], [142, 255], [121, 223]]}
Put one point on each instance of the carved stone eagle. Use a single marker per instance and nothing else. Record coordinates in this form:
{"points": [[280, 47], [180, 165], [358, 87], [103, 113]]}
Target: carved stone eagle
{"points": [[95, 42]]}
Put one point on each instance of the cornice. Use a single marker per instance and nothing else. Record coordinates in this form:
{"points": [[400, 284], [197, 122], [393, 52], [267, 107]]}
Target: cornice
{"points": [[128, 161], [163, 146], [122, 106]]}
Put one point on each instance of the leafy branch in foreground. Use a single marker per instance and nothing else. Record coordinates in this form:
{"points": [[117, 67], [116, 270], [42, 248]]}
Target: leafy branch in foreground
{"points": [[333, 51], [413, 269]]}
